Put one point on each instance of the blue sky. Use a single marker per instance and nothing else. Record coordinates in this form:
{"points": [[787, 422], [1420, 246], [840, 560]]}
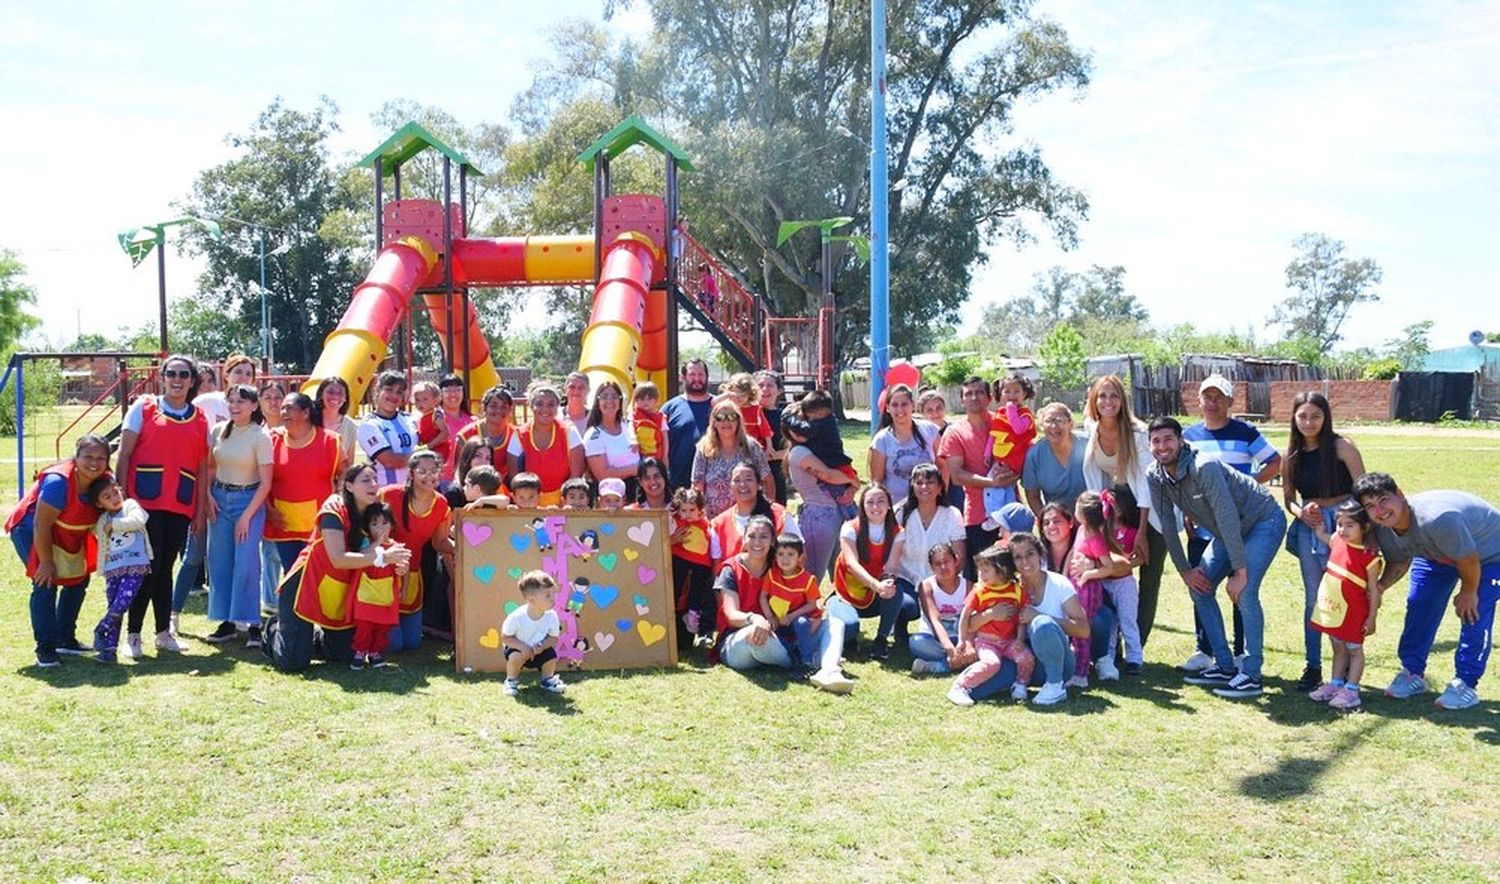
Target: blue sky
{"points": [[1212, 135]]}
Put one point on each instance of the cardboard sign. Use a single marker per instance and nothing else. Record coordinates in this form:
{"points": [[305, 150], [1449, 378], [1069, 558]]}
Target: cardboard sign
{"points": [[614, 585]]}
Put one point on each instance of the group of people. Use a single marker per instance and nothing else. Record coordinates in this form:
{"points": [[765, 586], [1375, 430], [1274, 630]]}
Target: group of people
{"points": [[1004, 546]]}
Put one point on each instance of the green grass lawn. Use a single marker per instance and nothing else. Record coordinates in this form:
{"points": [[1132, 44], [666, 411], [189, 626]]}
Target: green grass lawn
{"points": [[212, 765]]}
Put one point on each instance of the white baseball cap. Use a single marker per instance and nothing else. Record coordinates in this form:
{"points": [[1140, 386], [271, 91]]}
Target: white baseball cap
{"points": [[1217, 382], [612, 485]]}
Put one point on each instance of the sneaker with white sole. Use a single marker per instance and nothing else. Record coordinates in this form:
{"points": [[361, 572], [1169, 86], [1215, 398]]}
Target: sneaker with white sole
{"points": [[1324, 692], [1106, 669], [511, 687], [1213, 676], [47, 661], [166, 641], [832, 681], [1406, 684], [133, 646], [225, 632], [1052, 693], [553, 684], [1018, 691], [926, 667], [72, 648], [1457, 695], [958, 695], [1240, 687], [174, 623], [1077, 681], [1196, 663], [1347, 698]]}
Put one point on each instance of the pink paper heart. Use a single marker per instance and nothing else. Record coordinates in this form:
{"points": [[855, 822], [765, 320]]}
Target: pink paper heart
{"points": [[642, 533], [603, 640], [644, 574], [476, 534]]}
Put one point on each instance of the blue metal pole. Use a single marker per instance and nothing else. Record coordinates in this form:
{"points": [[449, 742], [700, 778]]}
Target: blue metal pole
{"points": [[880, 303], [20, 428], [265, 312]]}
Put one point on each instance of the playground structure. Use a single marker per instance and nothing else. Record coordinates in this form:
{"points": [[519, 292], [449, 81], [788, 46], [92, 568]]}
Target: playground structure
{"points": [[643, 266]]}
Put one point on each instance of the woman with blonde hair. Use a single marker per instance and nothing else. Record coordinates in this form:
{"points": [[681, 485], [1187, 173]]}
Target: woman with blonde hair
{"points": [[723, 446], [1117, 451]]}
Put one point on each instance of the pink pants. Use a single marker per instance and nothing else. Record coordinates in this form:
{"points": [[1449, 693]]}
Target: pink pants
{"points": [[991, 651]]}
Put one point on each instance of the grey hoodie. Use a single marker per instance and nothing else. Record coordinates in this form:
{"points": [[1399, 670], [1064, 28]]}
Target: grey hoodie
{"points": [[1222, 500]]}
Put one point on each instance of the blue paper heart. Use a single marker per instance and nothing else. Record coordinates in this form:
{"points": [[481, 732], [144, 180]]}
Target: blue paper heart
{"points": [[484, 573], [624, 625], [640, 600], [604, 596], [606, 529], [519, 542]]}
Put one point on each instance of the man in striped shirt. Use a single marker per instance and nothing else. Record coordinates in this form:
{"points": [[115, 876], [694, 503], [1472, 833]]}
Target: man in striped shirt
{"points": [[1237, 444]]}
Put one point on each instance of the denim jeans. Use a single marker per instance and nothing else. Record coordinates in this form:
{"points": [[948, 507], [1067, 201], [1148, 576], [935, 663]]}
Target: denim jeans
{"points": [[1053, 650], [1262, 541], [820, 536], [1427, 603], [288, 639], [407, 634], [1312, 560], [894, 613], [925, 646], [54, 609], [737, 653], [234, 565], [193, 557], [270, 574]]}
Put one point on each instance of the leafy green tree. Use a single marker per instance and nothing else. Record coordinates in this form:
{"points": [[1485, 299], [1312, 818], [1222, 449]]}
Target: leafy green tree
{"points": [[283, 179], [1101, 296], [1411, 347], [769, 97], [15, 296], [1325, 287], [1062, 359]]}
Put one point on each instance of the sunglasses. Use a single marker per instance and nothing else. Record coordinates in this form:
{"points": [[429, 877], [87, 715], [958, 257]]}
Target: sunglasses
{"points": [[177, 374], [726, 418]]}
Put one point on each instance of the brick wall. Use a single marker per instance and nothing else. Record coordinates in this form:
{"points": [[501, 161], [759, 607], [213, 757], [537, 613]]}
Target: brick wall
{"points": [[1350, 400]]}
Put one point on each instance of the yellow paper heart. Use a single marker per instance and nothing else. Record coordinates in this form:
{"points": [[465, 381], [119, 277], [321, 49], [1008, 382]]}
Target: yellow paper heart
{"points": [[779, 606], [631, 555], [490, 639], [651, 633]]}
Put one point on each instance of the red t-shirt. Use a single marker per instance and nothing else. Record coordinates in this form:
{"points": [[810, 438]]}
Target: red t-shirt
{"points": [[788, 593], [986, 596], [973, 445], [756, 425]]}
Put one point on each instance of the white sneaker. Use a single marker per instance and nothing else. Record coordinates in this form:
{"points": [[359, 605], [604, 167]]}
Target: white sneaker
{"points": [[1106, 669], [1018, 691], [511, 687], [165, 641], [832, 681], [1078, 681], [176, 624], [1196, 663], [133, 646], [925, 667], [959, 696], [1051, 694]]}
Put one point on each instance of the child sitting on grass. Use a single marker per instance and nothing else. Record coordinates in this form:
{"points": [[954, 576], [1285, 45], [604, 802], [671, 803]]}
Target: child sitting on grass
{"points": [[790, 601], [530, 632], [995, 639], [121, 531]]}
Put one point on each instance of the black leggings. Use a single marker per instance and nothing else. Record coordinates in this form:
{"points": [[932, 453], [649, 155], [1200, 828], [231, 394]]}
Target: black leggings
{"points": [[167, 533]]}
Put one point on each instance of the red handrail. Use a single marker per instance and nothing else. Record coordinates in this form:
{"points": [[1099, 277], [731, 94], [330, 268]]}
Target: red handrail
{"points": [[734, 309]]}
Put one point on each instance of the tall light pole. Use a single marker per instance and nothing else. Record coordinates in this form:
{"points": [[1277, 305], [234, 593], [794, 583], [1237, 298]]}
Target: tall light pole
{"points": [[265, 309], [880, 295]]}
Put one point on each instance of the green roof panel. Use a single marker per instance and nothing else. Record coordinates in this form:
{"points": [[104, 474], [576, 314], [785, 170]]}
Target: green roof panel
{"points": [[410, 140], [632, 131]]}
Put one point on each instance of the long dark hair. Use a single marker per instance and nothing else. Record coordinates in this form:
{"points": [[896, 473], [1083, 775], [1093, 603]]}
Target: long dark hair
{"points": [[909, 505], [244, 393], [1327, 442], [1055, 507], [317, 409], [648, 463], [356, 534], [596, 414], [411, 472], [862, 521], [465, 460], [886, 421]]}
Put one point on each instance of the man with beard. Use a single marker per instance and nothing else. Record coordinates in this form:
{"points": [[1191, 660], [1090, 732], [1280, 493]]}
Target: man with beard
{"points": [[687, 420]]}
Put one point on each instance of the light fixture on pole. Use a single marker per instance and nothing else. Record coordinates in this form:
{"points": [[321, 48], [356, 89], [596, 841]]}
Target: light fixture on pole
{"points": [[265, 309], [138, 243]]}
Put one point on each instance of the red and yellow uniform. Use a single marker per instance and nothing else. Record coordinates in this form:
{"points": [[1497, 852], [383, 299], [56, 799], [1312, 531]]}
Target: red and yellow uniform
{"points": [[756, 425], [849, 587], [164, 468], [650, 431], [75, 552], [988, 595], [414, 530], [788, 592], [727, 528], [323, 591], [1343, 596], [375, 596], [548, 458], [694, 546], [1009, 441], [301, 479], [749, 588]]}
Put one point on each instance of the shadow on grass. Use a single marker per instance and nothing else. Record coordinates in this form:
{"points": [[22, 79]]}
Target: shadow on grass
{"points": [[84, 671], [1159, 684], [1295, 777]]}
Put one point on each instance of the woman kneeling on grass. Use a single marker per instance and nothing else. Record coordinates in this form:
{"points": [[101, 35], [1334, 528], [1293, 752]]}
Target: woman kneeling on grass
{"points": [[316, 591], [747, 640]]}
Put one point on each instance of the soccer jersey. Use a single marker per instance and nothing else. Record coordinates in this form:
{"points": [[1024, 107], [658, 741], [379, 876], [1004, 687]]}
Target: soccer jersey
{"points": [[378, 434]]}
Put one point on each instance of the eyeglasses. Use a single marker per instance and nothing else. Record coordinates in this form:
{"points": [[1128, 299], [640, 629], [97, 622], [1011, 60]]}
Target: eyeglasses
{"points": [[726, 418], [177, 374]]}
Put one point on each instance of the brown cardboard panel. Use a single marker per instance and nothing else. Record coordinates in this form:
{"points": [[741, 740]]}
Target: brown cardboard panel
{"points": [[614, 574]]}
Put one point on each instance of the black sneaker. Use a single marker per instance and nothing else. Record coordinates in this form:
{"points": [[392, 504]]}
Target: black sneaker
{"points": [[1240, 687], [1133, 668], [1213, 676], [1312, 676], [47, 661], [378, 661], [880, 649], [72, 648], [357, 664], [252, 637], [225, 632]]}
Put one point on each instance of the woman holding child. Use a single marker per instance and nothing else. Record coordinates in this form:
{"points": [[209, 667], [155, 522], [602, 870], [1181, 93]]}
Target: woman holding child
{"points": [[317, 590], [747, 640], [421, 522], [819, 518]]}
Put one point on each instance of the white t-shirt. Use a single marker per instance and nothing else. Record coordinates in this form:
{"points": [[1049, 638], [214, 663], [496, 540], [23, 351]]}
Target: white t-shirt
{"points": [[135, 417], [395, 434], [947, 525], [950, 606], [214, 406], [520, 626], [902, 457], [1056, 594], [619, 449], [849, 533]]}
